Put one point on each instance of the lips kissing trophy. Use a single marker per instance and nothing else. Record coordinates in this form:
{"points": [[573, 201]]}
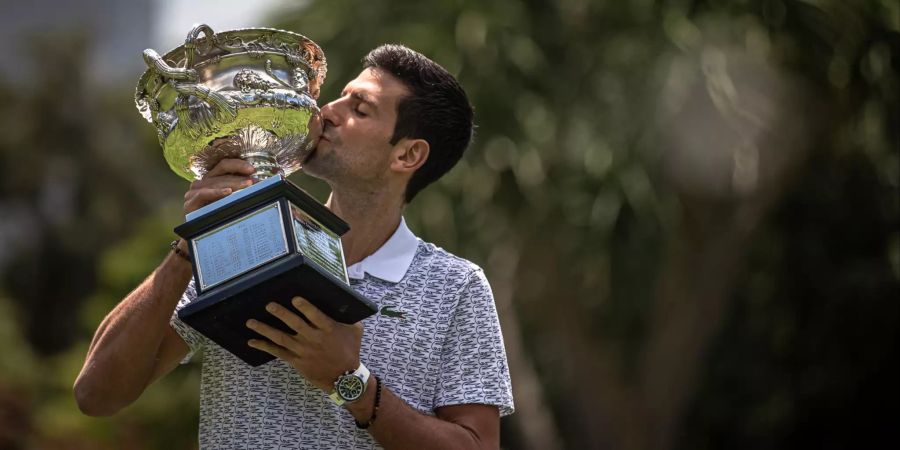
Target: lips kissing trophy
{"points": [[249, 94]]}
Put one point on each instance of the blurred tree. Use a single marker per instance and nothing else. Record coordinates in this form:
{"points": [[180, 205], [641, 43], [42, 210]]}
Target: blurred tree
{"points": [[79, 171]]}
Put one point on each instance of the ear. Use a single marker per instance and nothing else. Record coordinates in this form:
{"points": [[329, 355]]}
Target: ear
{"points": [[409, 155]]}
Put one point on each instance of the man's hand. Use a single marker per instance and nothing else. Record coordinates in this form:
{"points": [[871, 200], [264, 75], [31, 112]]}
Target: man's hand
{"points": [[321, 350], [226, 177]]}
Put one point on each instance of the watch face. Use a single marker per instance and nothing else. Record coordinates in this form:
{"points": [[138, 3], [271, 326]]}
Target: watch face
{"points": [[350, 387]]}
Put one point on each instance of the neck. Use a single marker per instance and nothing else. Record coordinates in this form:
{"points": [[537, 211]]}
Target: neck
{"points": [[373, 217]]}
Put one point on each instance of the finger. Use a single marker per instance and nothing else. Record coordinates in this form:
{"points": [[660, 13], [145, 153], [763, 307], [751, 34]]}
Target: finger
{"points": [[272, 349], [223, 181], [317, 318], [202, 197], [290, 319], [231, 166], [278, 337]]}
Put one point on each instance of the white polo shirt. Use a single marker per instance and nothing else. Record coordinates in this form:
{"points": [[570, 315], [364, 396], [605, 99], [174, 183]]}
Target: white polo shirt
{"points": [[435, 342], [391, 261]]}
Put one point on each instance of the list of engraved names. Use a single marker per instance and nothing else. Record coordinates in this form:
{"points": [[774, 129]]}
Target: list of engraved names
{"points": [[240, 246]]}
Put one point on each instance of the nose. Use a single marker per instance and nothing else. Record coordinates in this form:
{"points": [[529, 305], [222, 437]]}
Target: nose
{"points": [[329, 114]]}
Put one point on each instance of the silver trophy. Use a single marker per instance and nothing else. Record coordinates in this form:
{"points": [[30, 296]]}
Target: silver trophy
{"points": [[249, 94]]}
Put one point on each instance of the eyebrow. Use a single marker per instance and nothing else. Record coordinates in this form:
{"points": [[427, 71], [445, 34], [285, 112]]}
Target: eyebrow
{"points": [[363, 98]]}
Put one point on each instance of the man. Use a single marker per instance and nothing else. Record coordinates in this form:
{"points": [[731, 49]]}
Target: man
{"points": [[438, 376]]}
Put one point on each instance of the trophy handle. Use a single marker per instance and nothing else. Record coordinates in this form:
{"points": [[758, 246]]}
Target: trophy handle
{"points": [[216, 107], [223, 110], [181, 80], [163, 69], [190, 42]]}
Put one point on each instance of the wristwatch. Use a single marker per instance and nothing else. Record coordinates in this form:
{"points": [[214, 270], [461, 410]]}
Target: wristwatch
{"points": [[350, 386]]}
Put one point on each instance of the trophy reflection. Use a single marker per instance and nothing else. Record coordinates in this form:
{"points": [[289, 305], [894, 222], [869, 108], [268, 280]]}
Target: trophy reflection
{"points": [[249, 94]]}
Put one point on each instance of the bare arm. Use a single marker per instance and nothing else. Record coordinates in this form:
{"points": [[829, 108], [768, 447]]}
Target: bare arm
{"points": [[399, 426], [135, 345]]}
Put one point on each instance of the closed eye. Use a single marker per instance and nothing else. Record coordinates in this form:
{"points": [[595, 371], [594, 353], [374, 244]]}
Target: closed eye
{"points": [[361, 100]]}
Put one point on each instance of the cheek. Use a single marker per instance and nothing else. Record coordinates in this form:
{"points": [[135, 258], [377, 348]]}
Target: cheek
{"points": [[367, 139], [375, 132]]}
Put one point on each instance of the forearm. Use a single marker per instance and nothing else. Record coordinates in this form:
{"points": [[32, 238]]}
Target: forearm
{"points": [[123, 353], [399, 426]]}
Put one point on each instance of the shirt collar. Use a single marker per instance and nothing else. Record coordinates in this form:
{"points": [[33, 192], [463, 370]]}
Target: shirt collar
{"points": [[392, 260]]}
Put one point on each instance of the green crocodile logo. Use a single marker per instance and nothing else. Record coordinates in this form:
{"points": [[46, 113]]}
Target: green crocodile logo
{"points": [[387, 311]]}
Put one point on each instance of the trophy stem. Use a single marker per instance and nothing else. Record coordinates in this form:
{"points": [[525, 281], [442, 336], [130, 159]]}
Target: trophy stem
{"points": [[265, 164]]}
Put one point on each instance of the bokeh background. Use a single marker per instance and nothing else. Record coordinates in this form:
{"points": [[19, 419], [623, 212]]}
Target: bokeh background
{"points": [[688, 209]]}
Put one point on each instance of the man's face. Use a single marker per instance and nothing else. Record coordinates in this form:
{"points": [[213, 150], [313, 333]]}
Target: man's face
{"points": [[355, 148]]}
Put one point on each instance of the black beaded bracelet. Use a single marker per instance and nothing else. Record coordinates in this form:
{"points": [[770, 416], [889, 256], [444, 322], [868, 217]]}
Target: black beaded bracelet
{"points": [[371, 420], [179, 251]]}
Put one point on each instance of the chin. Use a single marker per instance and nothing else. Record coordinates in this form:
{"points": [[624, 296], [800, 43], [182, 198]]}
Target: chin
{"points": [[310, 169], [313, 167]]}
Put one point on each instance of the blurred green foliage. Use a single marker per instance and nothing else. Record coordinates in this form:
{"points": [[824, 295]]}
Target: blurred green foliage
{"points": [[689, 212]]}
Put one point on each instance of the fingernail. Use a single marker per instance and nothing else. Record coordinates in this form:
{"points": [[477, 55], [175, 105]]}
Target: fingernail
{"points": [[247, 183], [251, 323], [226, 191], [270, 307], [252, 343], [297, 301]]}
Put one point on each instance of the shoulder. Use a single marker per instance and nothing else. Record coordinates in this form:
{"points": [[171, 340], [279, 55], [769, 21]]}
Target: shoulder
{"points": [[436, 261], [442, 270]]}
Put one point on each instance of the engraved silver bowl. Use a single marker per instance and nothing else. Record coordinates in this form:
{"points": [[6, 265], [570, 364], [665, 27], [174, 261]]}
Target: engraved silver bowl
{"points": [[248, 94]]}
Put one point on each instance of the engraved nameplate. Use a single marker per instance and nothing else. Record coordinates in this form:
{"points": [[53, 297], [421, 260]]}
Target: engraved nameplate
{"points": [[240, 246], [319, 244]]}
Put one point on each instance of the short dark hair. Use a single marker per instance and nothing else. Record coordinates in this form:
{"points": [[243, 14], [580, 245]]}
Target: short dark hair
{"points": [[436, 110]]}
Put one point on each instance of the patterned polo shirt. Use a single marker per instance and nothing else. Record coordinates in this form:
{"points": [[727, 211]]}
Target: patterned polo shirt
{"points": [[435, 342]]}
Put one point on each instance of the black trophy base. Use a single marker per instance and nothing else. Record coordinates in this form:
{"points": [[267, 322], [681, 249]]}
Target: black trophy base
{"points": [[268, 243], [221, 313]]}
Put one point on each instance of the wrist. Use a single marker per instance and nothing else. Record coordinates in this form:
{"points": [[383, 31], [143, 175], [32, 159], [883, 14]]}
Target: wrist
{"points": [[365, 410], [365, 424], [180, 250]]}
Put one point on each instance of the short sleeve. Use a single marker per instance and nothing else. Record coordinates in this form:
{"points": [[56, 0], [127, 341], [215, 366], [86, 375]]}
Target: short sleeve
{"points": [[473, 358], [191, 337]]}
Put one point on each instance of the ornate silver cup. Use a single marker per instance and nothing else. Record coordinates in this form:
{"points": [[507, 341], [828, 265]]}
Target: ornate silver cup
{"points": [[249, 94]]}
